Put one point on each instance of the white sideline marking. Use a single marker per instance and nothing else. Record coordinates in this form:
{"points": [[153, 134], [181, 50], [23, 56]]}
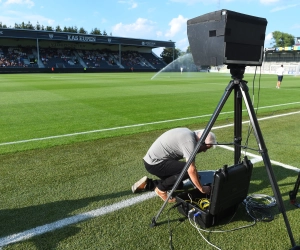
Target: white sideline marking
{"points": [[14, 238], [258, 158], [25, 235], [145, 124]]}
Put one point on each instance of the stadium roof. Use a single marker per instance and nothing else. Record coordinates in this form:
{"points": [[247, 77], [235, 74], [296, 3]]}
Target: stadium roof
{"points": [[82, 38]]}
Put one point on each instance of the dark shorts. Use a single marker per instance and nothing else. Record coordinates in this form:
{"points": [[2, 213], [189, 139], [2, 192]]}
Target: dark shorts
{"points": [[168, 171], [280, 78]]}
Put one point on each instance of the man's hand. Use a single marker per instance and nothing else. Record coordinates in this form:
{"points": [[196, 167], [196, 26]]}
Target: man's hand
{"points": [[192, 171], [206, 189]]}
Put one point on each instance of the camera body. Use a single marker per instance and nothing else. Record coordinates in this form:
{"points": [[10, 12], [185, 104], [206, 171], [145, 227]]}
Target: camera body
{"points": [[227, 37]]}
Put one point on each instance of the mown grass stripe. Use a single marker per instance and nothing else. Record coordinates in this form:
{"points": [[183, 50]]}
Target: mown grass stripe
{"points": [[135, 125]]}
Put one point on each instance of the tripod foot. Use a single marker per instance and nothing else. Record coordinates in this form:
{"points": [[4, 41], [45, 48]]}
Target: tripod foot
{"points": [[153, 224], [296, 248]]}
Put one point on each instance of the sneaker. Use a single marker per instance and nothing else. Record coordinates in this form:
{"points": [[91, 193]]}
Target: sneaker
{"points": [[140, 185], [164, 195]]}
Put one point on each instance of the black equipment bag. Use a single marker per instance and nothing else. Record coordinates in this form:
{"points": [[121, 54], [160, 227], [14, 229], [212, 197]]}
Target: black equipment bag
{"points": [[229, 188]]}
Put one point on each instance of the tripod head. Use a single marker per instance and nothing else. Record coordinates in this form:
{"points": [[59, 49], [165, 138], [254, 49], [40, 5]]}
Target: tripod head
{"points": [[237, 71]]}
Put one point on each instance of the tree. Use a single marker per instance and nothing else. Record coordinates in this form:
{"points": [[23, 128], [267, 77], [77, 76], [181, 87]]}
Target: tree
{"points": [[96, 32], [38, 26], [20, 26], [29, 26], [167, 55], [82, 31], [188, 50], [49, 28], [282, 39], [71, 29], [58, 29]]}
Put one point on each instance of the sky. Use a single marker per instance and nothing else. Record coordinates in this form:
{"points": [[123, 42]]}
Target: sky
{"points": [[162, 20]]}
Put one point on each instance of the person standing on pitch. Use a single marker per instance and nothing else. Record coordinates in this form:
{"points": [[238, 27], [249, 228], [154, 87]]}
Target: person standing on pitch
{"points": [[279, 76], [163, 160]]}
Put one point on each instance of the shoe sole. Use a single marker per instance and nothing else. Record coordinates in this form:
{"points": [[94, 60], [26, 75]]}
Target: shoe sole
{"points": [[138, 183]]}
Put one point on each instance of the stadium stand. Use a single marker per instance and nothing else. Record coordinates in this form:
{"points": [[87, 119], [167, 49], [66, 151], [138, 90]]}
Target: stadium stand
{"points": [[97, 59], [58, 58], [15, 56], [277, 56], [155, 61], [48, 51], [71, 58], [133, 59]]}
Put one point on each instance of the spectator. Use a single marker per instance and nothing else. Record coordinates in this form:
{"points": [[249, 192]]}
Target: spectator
{"points": [[280, 72]]}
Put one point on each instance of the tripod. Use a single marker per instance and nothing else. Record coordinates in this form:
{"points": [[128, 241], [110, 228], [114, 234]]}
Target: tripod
{"points": [[240, 92]]}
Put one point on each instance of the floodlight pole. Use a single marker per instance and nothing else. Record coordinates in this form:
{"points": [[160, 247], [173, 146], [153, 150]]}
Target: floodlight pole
{"points": [[241, 91]]}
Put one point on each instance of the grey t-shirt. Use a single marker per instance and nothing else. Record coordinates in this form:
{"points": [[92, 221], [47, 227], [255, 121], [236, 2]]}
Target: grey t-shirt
{"points": [[174, 144]]}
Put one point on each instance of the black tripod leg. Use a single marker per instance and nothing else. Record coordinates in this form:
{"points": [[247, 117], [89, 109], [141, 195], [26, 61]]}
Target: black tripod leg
{"points": [[265, 156], [294, 192], [206, 131], [237, 124]]}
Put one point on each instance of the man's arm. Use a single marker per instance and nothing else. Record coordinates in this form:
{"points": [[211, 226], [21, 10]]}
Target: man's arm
{"points": [[193, 173]]}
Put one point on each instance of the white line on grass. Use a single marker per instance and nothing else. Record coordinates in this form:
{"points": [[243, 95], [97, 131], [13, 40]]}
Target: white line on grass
{"points": [[258, 158], [143, 124], [25, 235]]}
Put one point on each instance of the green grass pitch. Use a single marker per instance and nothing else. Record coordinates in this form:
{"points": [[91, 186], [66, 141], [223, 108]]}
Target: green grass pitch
{"points": [[73, 143]]}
